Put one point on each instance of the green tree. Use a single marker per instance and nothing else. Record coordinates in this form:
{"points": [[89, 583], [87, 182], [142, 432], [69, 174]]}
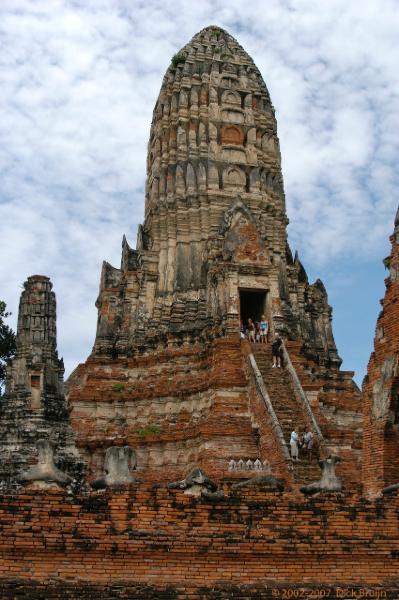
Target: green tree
{"points": [[7, 343]]}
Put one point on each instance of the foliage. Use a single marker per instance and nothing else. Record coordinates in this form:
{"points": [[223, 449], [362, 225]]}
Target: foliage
{"points": [[7, 342], [118, 387], [178, 58], [149, 430]]}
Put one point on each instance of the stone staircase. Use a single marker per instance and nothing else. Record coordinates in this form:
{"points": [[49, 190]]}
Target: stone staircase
{"points": [[288, 410]]}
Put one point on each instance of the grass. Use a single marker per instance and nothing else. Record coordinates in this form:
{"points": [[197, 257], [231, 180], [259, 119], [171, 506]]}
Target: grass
{"points": [[149, 430]]}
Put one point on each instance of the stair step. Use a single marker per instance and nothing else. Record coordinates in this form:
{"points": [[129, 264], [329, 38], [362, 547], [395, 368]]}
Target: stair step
{"points": [[289, 413]]}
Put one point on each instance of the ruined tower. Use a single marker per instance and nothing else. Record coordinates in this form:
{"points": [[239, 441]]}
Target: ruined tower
{"points": [[381, 387], [33, 407], [213, 246], [168, 374]]}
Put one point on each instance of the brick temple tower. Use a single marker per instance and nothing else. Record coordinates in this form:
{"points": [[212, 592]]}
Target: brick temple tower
{"points": [[381, 387], [168, 367]]}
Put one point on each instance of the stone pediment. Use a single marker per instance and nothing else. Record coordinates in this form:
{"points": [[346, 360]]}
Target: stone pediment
{"points": [[242, 241]]}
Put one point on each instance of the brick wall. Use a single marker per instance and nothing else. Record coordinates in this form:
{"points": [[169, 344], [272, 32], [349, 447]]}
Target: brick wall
{"points": [[150, 542]]}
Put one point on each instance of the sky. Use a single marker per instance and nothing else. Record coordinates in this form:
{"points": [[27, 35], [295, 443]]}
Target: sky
{"points": [[79, 80]]}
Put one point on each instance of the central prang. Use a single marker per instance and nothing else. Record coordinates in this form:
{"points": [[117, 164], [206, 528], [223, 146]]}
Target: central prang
{"points": [[215, 220]]}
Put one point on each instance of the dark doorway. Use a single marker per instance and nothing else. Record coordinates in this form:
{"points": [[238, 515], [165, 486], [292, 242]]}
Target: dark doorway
{"points": [[252, 305]]}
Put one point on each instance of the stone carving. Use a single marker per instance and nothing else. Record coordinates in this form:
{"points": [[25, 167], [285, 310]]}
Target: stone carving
{"points": [[45, 470], [248, 465], [233, 178], [118, 464], [264, 481], [198, 484], [237, 206], [328, 482], [381, 393]]}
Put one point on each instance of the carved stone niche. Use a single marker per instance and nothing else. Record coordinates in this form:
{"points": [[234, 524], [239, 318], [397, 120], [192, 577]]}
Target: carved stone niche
{"points": [[119, 461], [44, 473], [231, 99], [381, 391], [232, 134], [234, 178]]}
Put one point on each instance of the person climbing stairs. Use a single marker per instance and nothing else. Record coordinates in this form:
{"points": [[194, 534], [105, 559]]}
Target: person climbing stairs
{"points": [[289, 411]]}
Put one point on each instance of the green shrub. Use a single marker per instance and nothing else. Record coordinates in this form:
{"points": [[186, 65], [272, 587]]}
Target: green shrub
{"points": [[118, 387], [178, 58], [387, 262]]}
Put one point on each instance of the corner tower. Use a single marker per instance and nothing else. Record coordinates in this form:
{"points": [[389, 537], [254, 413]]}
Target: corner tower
{"points": [[213, 246], [34, 407], [381, 386]]}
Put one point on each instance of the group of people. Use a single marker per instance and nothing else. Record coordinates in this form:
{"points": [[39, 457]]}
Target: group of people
{"points": [[304, 442], [258, 331], [255, 331]]}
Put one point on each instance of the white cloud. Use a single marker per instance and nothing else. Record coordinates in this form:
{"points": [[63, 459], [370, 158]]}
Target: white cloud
{"points": [[79, 80]]}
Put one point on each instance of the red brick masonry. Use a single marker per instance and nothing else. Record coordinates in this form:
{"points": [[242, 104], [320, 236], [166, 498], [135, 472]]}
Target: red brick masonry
{"points": [[253, 544]]}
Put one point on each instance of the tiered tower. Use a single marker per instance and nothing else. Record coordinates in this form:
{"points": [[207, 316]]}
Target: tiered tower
{"points": [[33, 407], [167, 375], [215, 222]]}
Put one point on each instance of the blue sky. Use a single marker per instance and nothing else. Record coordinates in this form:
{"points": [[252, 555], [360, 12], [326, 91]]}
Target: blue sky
{"points": [[79, 80]]}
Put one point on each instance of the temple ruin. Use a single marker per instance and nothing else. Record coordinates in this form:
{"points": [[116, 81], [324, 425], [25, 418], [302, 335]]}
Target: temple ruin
{"points": [[162, 469]]}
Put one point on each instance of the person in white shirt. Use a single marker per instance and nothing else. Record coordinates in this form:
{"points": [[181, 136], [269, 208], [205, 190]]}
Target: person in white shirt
{"points": [[294, 441]]}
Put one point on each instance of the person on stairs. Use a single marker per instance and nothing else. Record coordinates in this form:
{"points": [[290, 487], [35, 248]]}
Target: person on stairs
{"points": [[308, 443], [294, 445], [277, 349]]}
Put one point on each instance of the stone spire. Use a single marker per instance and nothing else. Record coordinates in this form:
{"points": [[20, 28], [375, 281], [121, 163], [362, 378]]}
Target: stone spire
{"points": [[215, 219], [34, 407]]}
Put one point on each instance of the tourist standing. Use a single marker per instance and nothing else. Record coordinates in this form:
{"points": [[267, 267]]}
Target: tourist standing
{"points": [[294, 445], [251, 330], [277, 348], [308, 443], [264, 329]]}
